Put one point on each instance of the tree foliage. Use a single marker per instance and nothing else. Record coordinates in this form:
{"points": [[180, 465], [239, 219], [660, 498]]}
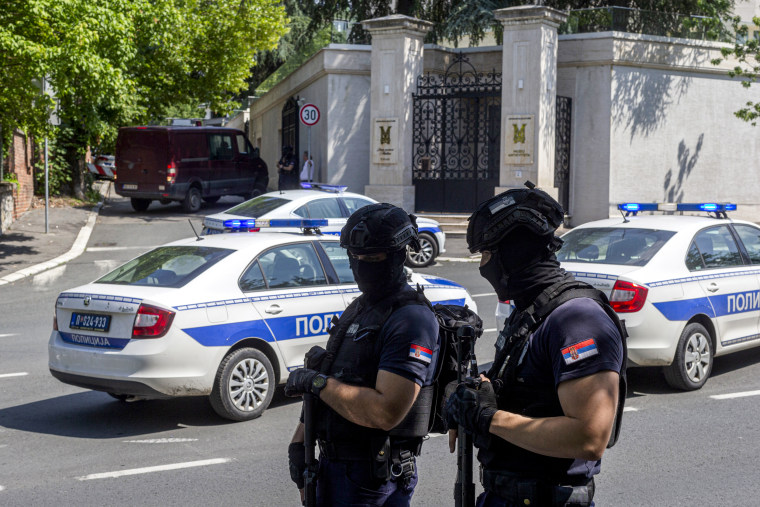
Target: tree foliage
{"points": [[455, 19], [125, 61], [746, 52]]}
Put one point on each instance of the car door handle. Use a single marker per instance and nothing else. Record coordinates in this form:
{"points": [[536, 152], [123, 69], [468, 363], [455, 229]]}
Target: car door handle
{"points": [[274, 309], [713, 287]]}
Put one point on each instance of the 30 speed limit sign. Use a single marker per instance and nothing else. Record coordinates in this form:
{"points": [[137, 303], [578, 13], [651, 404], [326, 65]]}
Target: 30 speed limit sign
{"points": [[309, 114]]}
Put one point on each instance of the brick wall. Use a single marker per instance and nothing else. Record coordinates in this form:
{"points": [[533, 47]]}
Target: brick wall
{"points": [[21, 163]]}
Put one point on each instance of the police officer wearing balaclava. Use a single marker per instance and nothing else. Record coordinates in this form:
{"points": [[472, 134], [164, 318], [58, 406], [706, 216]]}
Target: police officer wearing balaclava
{"points": [[374, 380], [546, 410]]}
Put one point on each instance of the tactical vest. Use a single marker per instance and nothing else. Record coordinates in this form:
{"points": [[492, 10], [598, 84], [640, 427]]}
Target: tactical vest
{"points": [[539, 401], [353, 357]]}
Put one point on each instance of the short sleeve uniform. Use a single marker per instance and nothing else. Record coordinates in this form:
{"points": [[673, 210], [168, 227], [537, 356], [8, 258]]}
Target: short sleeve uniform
{"points": [[576, 340], [410, 344]]}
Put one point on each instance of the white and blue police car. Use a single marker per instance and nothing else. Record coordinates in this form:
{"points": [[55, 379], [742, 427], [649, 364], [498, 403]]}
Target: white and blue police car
{"points": [[320, 201], [688, 287], [226, 316]]}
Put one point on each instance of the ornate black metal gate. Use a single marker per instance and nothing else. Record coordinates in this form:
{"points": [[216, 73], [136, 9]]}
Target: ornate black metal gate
{"points": [[290, 124], [562, 153], [455, 146]]}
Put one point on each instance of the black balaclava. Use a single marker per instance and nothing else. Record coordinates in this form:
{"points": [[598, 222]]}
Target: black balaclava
{"points": [[521, 267], [379, 279]]}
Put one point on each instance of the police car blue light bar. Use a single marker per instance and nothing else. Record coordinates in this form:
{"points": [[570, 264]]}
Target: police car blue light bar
{"points": [[321, 186], [259, 223], [710, 207]]}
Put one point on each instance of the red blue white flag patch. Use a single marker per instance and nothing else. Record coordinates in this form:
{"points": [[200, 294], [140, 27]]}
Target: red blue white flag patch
{"points": [[580, 350], [421, 354]]}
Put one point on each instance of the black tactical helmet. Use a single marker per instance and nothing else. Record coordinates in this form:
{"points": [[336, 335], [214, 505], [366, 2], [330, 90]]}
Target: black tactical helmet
{"points": [[519, 207], [379, 227]]}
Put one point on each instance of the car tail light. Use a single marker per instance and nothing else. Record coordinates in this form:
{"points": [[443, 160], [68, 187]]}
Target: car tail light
{"points": [[506, 301], [171, 174], [151, 322], [628, 297], [254, 229]]}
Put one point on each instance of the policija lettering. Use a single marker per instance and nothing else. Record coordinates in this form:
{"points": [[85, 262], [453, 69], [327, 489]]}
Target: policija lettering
{"points": [[314, 325], [744, 302]]}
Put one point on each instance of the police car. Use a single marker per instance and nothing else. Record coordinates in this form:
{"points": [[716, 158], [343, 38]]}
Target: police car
{"points": [[226, 316], [319, 201], [688, 287]]}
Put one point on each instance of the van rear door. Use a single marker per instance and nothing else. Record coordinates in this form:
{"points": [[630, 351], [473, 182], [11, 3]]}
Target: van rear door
{"points": [[190, 157], [141, 159]]}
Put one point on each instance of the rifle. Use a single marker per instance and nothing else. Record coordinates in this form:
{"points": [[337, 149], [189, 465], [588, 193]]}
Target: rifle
{"points": [[464, 487], [309, 442]]}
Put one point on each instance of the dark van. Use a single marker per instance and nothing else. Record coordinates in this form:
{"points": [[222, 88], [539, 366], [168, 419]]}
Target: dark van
{"points": [[186, 164]]}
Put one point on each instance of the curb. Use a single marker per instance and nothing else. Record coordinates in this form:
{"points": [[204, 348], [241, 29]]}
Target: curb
{"points": [[80, 243]]}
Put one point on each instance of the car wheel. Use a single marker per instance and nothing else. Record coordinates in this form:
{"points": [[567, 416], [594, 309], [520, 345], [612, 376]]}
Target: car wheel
{"points": [[244, 385], [212, 200], [120, 397], [254, 193], [140, 204], [693, 361], [427, 254], [192, 202]]}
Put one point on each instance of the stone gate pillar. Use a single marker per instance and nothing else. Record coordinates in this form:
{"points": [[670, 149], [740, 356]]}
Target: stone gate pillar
{"points": [[528, 97], [397, 50]]}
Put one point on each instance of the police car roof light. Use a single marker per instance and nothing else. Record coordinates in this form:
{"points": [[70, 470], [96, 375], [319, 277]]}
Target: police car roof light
{"points": [[324, 187], [300, 223], [710, 207]]}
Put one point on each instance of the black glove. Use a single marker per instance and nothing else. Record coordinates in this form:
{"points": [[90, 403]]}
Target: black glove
{"points": [[300, 382], [297, 462], [472, 409], [314, 357]]}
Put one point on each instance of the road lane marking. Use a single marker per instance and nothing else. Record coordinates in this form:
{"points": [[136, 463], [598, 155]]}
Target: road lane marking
{"points": [[162, 441], [630, 409], [6, 335], [158, 468], [456, 259], [2, 488], [735, 395], [484, 295], [490, 330], [19, 374]]}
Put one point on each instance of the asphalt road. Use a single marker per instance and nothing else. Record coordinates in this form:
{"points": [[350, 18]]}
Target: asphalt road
{"points": [[61, 445]]}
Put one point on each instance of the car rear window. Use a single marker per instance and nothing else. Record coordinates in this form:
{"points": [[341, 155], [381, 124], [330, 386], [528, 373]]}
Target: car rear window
{"points": [[169, 266], [256, 207], [611, 245]]}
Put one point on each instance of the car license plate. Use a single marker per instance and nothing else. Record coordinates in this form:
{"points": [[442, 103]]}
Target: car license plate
{"points": [[129, 186], [90, 322]]}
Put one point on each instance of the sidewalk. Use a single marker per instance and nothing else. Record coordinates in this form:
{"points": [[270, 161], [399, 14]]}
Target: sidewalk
{"points": [[26, 249]]}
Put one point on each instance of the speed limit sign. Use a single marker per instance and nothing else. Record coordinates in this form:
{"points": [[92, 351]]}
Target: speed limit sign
{"points": [[309, 114]]}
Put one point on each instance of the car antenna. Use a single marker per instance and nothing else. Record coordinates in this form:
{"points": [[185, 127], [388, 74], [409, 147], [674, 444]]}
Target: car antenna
{"points": [[193, 228], [625, 219]]}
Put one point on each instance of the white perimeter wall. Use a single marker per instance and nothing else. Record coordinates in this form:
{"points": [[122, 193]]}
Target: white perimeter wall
{"points": [[653, 122]]}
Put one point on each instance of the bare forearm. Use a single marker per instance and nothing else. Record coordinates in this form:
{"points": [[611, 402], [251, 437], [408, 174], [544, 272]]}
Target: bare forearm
{"points": [[361, 405]]}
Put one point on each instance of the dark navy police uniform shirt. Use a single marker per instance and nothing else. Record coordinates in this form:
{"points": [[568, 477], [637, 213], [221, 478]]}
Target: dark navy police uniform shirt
{"points": [[410, 344], [576, 340]]}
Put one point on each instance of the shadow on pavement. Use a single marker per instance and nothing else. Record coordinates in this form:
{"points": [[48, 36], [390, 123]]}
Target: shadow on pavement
{"points": [[94, 414]]}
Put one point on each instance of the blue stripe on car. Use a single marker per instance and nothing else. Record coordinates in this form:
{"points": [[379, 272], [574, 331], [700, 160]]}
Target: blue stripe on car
{"points": [[430, 229]]}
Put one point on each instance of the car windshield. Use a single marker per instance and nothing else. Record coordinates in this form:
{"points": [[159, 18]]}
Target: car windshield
{"points": [[611, 245], [169, 266], [257, 207]]}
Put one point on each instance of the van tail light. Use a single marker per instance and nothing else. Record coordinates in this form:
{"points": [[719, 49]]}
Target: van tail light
{"points": [[628, 297], [151, 322], [171, 174], [113, 170]]}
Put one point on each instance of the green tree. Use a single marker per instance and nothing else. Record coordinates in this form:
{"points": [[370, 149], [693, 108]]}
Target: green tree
{"points": [[124, 61], [746, 52]]}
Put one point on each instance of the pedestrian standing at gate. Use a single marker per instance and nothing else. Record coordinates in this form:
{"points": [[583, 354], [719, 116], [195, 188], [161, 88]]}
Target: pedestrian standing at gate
{"points": [[553, 399], [307, 172], [286, 168], [377, 371]]}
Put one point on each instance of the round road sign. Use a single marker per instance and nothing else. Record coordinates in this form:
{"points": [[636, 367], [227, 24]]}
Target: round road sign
{"points": [[309, 114]]}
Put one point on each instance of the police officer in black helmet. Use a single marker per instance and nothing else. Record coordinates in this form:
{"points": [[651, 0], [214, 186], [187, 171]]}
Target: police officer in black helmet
{"points": [[552, 401], [374, 380]]}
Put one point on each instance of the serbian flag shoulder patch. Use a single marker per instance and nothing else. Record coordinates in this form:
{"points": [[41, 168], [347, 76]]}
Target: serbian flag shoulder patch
{"points": [[580, 350], [421, 354]]}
